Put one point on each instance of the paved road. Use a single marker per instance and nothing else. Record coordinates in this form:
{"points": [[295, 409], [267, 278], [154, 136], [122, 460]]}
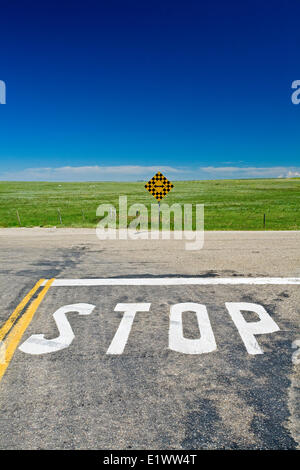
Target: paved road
{"points": [[119, 383]]}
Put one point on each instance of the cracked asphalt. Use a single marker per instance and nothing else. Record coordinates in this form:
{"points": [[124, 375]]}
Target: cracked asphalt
{"points": [[150, 397]]}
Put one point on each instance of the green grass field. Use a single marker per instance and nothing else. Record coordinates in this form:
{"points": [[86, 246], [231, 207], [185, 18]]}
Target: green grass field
{"points": [[229, 204]]}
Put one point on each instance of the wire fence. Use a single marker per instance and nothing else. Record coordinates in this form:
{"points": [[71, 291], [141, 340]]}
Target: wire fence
{"points": [[60, 218]]}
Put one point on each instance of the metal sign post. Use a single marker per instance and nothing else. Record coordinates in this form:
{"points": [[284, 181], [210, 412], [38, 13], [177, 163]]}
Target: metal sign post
{"points": [[159, 214]]}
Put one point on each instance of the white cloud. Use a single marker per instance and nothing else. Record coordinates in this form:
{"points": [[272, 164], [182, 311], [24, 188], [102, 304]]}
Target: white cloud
{"points": [[252, 172], [139, 172], [87, 173], [102, 170], [293, 174]]}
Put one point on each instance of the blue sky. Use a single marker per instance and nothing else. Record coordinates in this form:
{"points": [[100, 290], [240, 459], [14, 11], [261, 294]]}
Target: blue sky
{"points": [[117, 90]]}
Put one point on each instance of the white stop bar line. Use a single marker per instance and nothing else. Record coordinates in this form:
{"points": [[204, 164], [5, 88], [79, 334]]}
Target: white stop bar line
{"points": [[176, 281]]}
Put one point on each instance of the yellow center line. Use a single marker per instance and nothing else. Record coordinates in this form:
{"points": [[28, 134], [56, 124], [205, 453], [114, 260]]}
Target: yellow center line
{"points": [[15, 335], [11, 320]]}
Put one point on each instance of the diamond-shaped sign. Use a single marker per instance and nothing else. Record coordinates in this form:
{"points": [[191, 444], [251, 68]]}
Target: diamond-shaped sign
{"points": [[159, 186]]}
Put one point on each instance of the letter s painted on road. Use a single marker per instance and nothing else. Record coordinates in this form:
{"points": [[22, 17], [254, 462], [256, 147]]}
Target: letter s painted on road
{"points": [[37, 344]]}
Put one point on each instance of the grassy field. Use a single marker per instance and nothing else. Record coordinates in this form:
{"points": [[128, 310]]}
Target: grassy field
{"points": [[229, 204]]}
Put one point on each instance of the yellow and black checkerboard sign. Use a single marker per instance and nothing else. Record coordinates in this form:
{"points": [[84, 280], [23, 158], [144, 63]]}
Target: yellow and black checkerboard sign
{"points": [[159, 186]]}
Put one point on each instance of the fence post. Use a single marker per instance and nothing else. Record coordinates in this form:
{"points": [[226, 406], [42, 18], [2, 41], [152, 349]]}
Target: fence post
{"points": [[18, 216], [59, 215]]}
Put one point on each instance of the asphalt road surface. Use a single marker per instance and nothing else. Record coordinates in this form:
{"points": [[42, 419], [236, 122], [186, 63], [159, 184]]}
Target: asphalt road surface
{"points": [[148, 346]]}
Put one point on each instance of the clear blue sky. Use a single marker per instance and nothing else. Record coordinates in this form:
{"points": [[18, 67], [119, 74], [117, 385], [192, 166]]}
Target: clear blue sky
{"points": [[101, 90]]}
